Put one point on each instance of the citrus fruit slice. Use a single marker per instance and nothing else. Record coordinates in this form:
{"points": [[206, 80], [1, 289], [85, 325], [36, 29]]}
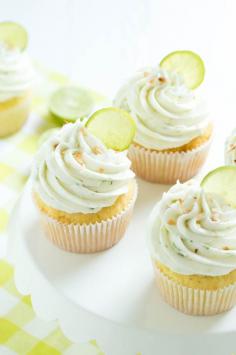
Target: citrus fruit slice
{"points": [[222, 181], [13, 35], [113, 126], [70, 103], [188, 64]]}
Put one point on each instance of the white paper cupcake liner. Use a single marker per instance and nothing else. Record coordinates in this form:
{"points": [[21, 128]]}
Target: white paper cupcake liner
{"points": [[88, 238], [194, 301], [167, 168]]}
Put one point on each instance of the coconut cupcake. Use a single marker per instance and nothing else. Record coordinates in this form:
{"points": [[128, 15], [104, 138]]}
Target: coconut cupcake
{"points": [[173, 129], [16, 80], [84, 190], [230, 149], [192, 241]]}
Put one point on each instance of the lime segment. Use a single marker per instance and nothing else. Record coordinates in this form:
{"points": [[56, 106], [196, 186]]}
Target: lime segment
{"points": [[188, 64], [13, 35], [70, 103], [113, 126], [222, 181]]}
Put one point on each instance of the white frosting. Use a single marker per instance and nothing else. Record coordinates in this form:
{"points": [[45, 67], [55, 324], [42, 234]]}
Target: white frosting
{"points": [[74, 172], [230, 149], [192, 232], [167, 113], [16, 73]]}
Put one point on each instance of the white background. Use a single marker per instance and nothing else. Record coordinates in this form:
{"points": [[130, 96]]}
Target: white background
{"points": [[101, 42]]}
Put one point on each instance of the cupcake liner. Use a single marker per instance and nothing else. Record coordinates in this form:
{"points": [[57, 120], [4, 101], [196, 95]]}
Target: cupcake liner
{"points": [[167, 167], [194, 301], [88, 238]]}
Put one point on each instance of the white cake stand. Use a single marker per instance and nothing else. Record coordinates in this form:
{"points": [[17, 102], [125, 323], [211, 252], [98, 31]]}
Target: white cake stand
{"points": [[110, 296]]}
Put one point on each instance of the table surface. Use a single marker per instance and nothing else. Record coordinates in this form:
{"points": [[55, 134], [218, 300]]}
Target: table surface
{"points": [[21, 330]]}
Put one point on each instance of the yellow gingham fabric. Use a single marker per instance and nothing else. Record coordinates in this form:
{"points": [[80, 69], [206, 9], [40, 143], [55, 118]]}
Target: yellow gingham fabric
{"points": [[21, 331]]}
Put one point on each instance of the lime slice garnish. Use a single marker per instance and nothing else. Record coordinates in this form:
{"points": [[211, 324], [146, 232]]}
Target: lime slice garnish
{"points": [[188, 64], [222, 181], [70, 103], [47, 134], [13, 35], [113, 126]]}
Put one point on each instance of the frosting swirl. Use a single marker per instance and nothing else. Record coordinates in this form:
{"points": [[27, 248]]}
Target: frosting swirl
{"points": [[16, 73], [74, 172], [193, 232], [230, 149], [167, 113]]}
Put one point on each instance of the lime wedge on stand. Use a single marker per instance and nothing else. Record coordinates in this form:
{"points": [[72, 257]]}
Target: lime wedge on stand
{"points": [[70, 103], [13, 35], [113, 126], [188, 64], [222, 181]]}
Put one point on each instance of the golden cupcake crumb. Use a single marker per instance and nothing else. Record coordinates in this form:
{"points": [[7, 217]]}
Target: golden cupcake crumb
{"points": [[202, 282], [199, 217], [96, 150], [195, 143], [162, 80], [80, 218], [153, 81], [171, 222], [215, 217], [231, 147], [79, 157], [226, 248]]}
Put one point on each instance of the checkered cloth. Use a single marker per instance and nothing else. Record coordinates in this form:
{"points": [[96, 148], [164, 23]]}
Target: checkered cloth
{"points": [[21, 331]]}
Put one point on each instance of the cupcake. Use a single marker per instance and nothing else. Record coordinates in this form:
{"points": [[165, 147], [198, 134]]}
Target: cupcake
{"points": [[85, 192], [173, 129], [230, 149], [16, 81], [192, 241]]}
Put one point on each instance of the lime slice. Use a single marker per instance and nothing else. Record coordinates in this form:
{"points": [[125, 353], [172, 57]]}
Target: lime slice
{"points": [[222, 181], [70, 103], [188, 64], [47, 134], [113, 126], [13, 35]]}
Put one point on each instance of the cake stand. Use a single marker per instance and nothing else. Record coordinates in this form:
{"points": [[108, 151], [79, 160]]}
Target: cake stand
{"points": [[109, 296]]}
